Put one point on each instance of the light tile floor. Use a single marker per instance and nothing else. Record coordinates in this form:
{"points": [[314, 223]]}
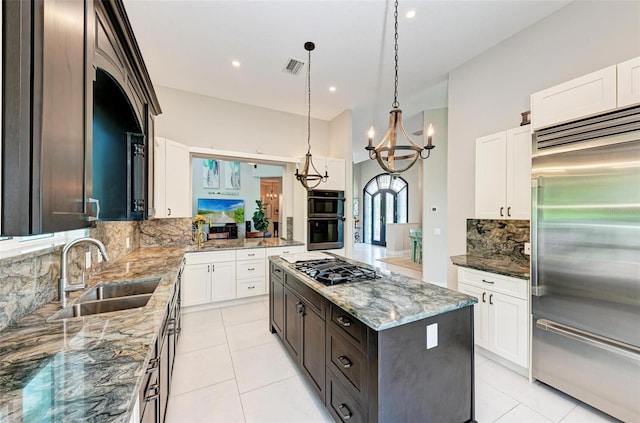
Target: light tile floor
{"points": [[229, 368]]}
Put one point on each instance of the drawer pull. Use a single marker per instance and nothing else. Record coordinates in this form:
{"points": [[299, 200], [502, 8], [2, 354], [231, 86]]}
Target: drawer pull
{"points": [[251, 287], [346, 363], [277, 270], [152, 397], [344, 411], [486, 281], [251, 254], [344, 321], [251, 269]]}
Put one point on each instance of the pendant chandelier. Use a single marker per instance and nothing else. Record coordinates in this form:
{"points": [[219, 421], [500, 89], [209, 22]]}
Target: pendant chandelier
{"points": [[393, 158], [309, 177]]}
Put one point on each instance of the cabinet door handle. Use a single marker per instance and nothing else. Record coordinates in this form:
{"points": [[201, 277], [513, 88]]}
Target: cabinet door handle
{"points": [[213, 267], [152, 397], [344, 411], [491, 298], [502, 211], [299, 309], [483, 295], [509, 211], [168, 212], [208, 268], [486, 281], [344, 321], [346, 363]]}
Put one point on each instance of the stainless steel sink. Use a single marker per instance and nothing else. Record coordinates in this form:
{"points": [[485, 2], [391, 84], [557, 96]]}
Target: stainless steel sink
{"points": [[111, 296], [101, 306], [104, 291]]}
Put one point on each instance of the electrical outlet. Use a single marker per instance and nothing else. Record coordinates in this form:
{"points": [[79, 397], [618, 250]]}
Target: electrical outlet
{"points": [[87, 259], [527, 248], [432, 336], [127, 243], [436, 231]]}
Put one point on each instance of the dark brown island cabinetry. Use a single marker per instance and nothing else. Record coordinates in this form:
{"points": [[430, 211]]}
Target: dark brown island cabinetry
{"points": [[65, 142], [367, 375], [155, 390]]}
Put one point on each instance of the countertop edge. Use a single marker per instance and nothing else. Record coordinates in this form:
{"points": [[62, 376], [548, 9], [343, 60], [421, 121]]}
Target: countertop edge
{"points": [[489, 265]]}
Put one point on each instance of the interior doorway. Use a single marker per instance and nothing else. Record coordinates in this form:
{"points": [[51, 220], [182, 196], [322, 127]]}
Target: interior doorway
{"points": [[386, 200], [270, 194]]}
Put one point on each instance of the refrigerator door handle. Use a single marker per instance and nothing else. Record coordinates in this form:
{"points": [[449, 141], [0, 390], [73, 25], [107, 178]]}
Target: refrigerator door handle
{"points": [[627, 350], [536, 290]]}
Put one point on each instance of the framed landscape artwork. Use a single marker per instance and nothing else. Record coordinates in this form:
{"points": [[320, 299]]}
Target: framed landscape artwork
{"points": [[217, 210]]}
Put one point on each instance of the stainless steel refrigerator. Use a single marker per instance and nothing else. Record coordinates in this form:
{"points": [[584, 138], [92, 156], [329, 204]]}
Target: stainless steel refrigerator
{"points": [[585, 234]]}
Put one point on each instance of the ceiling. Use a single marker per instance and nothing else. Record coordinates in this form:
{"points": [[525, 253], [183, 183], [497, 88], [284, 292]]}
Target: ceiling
{"points": [[190, 45]]}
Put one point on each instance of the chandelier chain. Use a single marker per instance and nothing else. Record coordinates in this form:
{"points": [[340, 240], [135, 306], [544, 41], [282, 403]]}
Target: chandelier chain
{"points": [[309, 103], [395, 104]]}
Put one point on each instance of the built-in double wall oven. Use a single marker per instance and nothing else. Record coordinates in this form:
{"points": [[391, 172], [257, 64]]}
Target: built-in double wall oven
{"points": [[325, 222]]}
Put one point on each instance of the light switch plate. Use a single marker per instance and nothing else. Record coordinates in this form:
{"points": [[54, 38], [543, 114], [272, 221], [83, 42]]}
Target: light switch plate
{"points": [[87, 259], [432, 336], [527, 248]]}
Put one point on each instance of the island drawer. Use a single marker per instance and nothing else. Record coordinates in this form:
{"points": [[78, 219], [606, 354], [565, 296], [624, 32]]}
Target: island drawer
{"points": [[313, 298], [342, 406], [353, 328], [348, 363], [276, 272]]}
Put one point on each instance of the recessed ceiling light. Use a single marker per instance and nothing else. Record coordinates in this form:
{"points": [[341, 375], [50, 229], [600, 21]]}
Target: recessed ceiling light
{"points": [[332, 89], [235, 64], [411, 14]]}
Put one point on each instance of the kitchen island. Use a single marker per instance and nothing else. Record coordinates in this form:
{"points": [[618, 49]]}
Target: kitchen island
{"points": [[388, 349]]}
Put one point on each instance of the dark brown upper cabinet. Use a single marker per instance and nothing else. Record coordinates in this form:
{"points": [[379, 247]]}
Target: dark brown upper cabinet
{"points": [[52, 53]]}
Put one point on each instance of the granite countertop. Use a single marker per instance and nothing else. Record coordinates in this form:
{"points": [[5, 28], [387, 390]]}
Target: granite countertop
{"points": [[89, 368], [500, 265], [387, 302], [237, 244]]}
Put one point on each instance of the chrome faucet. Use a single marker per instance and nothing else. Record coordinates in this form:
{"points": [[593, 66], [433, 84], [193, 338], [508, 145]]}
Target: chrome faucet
{"points": [[63, 287]]}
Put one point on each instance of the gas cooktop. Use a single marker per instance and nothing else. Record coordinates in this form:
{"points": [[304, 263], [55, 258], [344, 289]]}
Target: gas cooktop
{"points": [[335, 271]]}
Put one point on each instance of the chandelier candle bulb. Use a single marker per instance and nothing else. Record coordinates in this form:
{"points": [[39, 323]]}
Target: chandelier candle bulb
{"points": [[429, 136]]}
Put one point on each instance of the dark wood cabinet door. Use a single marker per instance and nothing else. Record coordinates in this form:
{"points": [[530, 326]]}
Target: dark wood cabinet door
{"points": [[64, 140], [277, 306], [313, 350], [45, 164], [292, 324]]}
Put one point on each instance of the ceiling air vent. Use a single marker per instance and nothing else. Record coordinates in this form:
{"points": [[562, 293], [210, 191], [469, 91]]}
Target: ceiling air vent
{"points": [[293, 66]]}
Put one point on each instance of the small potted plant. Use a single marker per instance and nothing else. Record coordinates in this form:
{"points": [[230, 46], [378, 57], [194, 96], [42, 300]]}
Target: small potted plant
{"points": [[260, 221]]}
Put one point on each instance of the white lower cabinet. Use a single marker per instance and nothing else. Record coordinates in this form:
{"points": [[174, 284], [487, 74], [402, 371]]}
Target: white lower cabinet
{"points": [[501, 317], [209, 277], [250, 272]]}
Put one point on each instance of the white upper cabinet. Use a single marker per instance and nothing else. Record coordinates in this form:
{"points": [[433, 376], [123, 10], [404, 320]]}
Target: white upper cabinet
{"points": [[336, 170], [629, 82], [503, 175], [606, 89], [172, 179], [589, 94]]}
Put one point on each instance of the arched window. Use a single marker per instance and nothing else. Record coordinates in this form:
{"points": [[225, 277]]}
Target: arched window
{"points": [[386, 200]]}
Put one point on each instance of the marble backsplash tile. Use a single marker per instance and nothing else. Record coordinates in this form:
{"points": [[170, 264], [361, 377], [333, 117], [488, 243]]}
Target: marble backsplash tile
{"points": [[164, 232], [289, 228], [490, 238], [28, 281]]}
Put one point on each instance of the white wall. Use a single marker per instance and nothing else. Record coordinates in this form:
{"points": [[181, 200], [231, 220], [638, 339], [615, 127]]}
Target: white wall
{"points": [[434, 246], [202, 121], [341, 145], [488, 93]]}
